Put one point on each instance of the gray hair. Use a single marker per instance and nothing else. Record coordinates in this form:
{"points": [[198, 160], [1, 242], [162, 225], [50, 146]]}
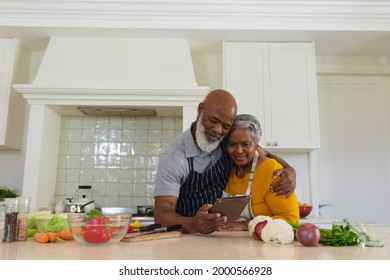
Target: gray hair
{"points": [[248, 122]]}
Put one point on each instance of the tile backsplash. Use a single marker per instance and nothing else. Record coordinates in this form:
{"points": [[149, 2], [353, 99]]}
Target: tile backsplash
{"points": [[116, 155]]}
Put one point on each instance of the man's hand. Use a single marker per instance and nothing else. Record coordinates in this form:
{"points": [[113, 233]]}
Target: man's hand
{"points": [[202, 222], [286, 184], [206, 222]]}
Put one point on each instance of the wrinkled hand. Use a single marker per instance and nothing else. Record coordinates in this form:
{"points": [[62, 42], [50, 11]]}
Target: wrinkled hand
{"points": [[206, 222], [286, 184], [236, 226]]}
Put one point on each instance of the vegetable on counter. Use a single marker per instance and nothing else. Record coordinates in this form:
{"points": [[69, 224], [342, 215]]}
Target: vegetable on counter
{"points": [[52, 237], [134, 226], [32, 227], [277, 231], [308, 234], [252, 223], [338, 235], [41, 237], [57, 223], [270, 230], [94, 231], [65, 235]]}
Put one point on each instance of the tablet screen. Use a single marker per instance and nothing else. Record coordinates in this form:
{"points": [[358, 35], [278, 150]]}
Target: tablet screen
{"points": [[231, 207]]}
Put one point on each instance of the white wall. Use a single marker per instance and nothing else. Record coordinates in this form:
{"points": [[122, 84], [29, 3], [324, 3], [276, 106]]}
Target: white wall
{"points": [[12, 162]]}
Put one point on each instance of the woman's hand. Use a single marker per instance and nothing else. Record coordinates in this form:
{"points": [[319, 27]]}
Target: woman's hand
{"points": [[236, 226]]}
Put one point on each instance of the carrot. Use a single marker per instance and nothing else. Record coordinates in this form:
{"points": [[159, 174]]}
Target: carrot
{"points": [[52, 236], [41, 237], [65, 235], [45, 237]]}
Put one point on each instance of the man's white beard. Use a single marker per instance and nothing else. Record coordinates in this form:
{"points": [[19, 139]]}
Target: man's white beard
{"points": [[201, 138]]}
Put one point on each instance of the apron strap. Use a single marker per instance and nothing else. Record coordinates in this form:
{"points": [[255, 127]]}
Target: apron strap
{"points": [[250, 181]]}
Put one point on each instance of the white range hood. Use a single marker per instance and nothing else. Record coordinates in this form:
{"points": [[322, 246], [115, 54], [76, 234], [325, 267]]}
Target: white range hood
{"points": [[100, 72], [115, 72], [117, 62]]}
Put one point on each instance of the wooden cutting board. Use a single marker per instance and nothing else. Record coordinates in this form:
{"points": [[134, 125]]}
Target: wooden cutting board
{"points": [[151, 236]]}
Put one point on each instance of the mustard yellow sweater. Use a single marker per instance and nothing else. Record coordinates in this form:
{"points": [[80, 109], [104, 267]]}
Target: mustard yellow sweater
{"points": [[264, 202]]}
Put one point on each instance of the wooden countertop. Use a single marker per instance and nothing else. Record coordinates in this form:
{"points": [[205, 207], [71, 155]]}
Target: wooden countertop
{"points": [[216, 246]]}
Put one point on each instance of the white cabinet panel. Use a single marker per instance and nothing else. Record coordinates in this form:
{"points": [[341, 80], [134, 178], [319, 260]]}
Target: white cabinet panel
{"points": [[246, 76], [354, 160], [12, 104], [276, 82]]}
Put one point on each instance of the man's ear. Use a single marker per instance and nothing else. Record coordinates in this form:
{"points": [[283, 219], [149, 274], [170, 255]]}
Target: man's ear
{"points": [[200, 108]]}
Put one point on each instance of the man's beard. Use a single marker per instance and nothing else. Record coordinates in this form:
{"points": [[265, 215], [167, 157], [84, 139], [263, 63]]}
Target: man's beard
{"points": [[201, 139]]}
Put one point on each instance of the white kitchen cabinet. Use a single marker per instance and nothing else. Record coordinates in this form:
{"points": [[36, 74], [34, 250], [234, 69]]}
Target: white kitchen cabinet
{"points": [[12, 105], [276, 82]]}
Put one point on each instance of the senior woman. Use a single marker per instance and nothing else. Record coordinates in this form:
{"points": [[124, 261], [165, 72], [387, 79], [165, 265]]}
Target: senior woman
{"points": [[253, 174]]}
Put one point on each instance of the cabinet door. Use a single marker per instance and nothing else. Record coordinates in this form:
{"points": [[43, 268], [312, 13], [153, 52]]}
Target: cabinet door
{"points": [[293, 95], [246, 76], [276, 82]]}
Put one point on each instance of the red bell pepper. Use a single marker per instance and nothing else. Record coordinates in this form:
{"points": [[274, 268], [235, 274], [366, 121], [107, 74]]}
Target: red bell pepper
{"points": [[95, 232]]}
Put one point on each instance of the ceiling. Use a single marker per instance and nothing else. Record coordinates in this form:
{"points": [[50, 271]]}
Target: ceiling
{"points": [[333, 43], [338, 27]]}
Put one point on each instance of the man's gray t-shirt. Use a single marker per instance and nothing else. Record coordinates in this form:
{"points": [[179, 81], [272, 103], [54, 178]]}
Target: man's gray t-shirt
{"points": [[173, 166]]}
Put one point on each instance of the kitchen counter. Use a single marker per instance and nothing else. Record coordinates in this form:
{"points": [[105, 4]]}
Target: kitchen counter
{"points": [[216, 246]]}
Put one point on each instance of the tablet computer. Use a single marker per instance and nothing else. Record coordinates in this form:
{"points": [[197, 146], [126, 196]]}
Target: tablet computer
{"points": [[231, 207]]}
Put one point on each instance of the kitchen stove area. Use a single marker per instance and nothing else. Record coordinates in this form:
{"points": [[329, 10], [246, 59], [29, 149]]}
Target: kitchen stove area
{"points": [[116, 155]]}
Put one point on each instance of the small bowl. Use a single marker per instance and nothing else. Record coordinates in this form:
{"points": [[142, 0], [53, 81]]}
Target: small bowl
{"points": [[305, 210], [104, 230]]}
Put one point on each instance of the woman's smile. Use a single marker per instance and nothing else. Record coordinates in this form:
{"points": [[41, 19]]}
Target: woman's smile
{"points": [[239, 159]]}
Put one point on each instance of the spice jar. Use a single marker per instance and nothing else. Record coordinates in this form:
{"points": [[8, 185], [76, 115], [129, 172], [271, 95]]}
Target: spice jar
{"points": [[23, 211], [11, 220]]}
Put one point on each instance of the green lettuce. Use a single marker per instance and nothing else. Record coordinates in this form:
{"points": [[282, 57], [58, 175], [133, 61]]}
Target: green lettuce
{"points": [[57, 223], [32, 227], [45, 221]]}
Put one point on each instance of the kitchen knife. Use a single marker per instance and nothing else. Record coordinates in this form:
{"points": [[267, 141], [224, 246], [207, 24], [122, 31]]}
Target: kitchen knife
{"points": [[149, 227], [156, 230]]}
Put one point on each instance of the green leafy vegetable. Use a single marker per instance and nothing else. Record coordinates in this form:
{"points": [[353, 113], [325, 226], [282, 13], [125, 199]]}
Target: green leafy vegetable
{"points": [[340, 235], [6, 192], [31, 232], [57, 224], [92, 214], [47, 221], [32, 226]]}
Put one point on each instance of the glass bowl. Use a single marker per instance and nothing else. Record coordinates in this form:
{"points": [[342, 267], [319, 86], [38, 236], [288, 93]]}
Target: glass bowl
{"points": [[100, 230]]}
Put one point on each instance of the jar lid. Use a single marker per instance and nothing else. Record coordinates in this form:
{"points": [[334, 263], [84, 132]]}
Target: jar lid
{"points": [[23, 204], [11, 205]]}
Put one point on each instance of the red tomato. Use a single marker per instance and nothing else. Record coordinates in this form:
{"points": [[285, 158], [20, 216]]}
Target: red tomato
{"points": [[131, 228], [93, 233]]}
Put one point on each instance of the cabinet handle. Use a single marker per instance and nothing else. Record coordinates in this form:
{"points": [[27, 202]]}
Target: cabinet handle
{"points": [[269, 144], [275, 143]]}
